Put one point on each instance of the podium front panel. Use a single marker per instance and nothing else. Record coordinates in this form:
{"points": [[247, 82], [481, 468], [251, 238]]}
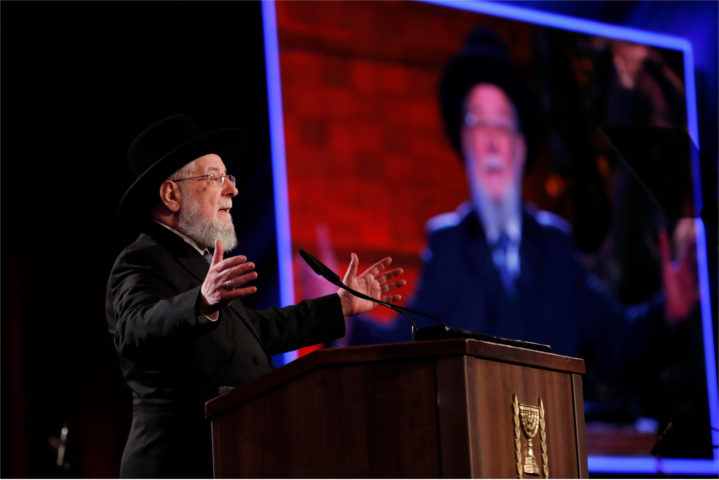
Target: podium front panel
{"points": [[444, 409], [375, 420], [554, 435]]}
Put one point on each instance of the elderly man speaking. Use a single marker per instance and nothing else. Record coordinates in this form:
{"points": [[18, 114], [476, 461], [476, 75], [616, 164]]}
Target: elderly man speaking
{"points": [[173, 302]]}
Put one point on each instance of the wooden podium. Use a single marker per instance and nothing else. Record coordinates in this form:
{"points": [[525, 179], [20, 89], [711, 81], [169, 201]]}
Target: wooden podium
{"points": [[446, 408]]}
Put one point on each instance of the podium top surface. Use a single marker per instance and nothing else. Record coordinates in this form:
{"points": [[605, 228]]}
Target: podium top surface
{"points": [[394, 352]]}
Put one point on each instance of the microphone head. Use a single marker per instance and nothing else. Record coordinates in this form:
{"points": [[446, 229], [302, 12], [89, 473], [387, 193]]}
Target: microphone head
{"points": [[312, 262]]}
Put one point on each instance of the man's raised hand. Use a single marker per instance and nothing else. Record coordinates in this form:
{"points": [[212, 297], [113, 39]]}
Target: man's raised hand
{"points": [[224, 280], [681, 282], [372, 282]]}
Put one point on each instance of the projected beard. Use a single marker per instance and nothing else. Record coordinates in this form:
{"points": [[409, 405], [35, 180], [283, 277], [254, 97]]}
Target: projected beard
{"points": [[496, 212], [205, 230]]}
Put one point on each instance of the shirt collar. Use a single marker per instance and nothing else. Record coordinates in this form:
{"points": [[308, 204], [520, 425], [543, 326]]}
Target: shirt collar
{"points": [[512, 224], [187, 239], [514, 229]]}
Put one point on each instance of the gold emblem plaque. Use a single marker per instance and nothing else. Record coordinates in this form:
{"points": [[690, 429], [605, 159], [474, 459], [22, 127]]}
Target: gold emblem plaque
{"points": [[529, 419]]}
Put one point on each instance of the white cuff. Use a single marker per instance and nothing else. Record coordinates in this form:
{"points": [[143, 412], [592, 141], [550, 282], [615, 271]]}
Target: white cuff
{"points": [[203, 319]]}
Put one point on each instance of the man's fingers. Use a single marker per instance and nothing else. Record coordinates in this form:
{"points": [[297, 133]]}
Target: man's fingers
{"points": [[241, 280], [389, 275], [230, 262], [248, 277], [230, 295], [391, 298], [352, 269], [378, 267], [234, 272], [219, 253], [388, 287]]}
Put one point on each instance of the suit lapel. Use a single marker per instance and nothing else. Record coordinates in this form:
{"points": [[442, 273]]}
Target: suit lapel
{"points": [[480, 258], [183, 252], [480, 253], [193, 262]]}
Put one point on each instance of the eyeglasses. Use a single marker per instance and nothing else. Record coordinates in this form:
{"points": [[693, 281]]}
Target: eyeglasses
{"points": [[503, 126], [213, 179]]}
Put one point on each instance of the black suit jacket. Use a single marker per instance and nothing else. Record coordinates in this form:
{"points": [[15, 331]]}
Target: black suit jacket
{"points": [[174, 363]]}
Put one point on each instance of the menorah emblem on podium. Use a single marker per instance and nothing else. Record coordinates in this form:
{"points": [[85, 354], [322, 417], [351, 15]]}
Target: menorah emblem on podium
{"points": [[529, 416], [529, 419]]}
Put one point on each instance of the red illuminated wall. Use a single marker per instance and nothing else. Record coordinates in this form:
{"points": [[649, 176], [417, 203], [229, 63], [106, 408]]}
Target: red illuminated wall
{"points": [[366, 150]]}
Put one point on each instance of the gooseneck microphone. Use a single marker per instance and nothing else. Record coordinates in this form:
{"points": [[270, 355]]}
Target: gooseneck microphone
{"points": [[324, 271], [427, 333]]}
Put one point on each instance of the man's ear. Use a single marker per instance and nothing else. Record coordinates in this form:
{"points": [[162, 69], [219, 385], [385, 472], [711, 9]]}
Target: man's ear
{"points": [[171, 196]]}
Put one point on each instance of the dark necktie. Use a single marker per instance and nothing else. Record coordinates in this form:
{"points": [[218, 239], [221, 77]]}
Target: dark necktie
{"points": [[207, 256], [500, 260]]}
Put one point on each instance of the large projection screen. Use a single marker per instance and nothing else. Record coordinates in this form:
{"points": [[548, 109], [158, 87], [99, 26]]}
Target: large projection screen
{"points": [[361, 163]]}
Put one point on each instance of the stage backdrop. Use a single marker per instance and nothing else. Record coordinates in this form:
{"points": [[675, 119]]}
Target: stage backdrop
{"points": [[79, 81], [368, 164]]}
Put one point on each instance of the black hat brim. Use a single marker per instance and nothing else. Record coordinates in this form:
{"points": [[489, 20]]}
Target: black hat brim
{"points": [[143, 194]]}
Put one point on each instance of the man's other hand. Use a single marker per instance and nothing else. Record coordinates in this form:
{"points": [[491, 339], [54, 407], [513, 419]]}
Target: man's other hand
{"points": [[680, 277], [372, 283], [223, 281]]}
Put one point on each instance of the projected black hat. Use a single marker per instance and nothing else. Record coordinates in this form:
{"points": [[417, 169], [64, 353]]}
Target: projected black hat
{"points": [[484, 59], [163, 148]]}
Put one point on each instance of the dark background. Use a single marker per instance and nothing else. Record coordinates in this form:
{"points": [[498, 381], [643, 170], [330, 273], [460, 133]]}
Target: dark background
{"points": [[79, 82]]}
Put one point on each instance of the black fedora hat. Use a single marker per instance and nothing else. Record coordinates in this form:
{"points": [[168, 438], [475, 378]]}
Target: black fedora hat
{"points": [[484, 59], [163, 148]]}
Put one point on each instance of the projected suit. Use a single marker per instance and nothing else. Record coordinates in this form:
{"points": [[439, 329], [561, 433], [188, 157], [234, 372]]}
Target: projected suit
{"points": [[555, 301]]}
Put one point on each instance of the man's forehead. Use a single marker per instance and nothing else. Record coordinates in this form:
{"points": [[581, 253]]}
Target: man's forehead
{"points": [[489, 98], [210, 163], [214, 168]]}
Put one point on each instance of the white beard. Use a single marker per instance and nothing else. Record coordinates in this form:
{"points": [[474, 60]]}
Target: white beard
{"points": [[496, 214], [202, 230]]}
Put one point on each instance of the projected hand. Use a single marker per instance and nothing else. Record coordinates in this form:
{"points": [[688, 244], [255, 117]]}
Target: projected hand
{"points": [[680, 281], [372, 283], [311, 284], [223, 281]]}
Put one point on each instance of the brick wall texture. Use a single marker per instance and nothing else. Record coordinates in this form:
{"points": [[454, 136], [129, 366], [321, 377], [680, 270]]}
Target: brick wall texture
{"points": [[367, 154]]}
